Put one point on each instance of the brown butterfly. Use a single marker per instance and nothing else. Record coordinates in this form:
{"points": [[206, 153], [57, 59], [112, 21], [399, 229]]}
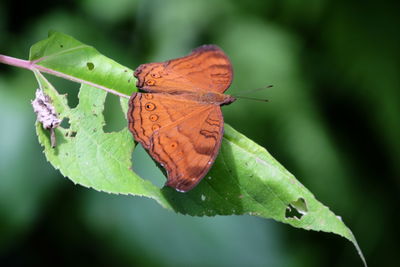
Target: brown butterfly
{"points": [[179, 121]]}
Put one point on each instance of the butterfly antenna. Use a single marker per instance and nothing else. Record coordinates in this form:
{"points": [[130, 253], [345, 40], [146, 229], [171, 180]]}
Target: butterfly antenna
{"points": [[256, 90], [252, 91], [252, 98]]}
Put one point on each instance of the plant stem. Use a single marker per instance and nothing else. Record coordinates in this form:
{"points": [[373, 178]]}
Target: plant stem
{"points": [[25, 64], [30, 65]]}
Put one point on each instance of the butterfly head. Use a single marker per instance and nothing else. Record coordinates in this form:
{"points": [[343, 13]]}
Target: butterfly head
{"points": [[228, 100]]}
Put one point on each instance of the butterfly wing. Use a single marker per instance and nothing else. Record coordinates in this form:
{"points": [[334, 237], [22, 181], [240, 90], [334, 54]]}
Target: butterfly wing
{"points": [[149, 113], [188, 149], [186, 139], [206, 69]]}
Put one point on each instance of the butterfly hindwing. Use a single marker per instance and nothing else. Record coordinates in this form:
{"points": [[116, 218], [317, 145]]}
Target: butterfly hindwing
{"points": [[188, 149]]}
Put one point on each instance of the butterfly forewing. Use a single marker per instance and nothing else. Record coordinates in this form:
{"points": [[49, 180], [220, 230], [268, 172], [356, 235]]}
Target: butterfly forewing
{"points": [[206, 69], [150, 112], [183, 136]]}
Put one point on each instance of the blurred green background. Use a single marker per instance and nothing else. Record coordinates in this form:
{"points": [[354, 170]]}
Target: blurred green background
{"points": [[332, 120]]}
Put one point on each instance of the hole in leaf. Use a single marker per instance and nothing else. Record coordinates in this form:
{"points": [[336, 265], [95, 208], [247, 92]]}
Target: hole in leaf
{"points": [[145, 167], [90, 65], [70, 134], [113, 117], [61, 46], [67, 87], [65, 123], [296, 209]]}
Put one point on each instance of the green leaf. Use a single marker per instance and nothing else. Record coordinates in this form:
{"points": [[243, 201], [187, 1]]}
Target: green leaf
{"points": [[63, 56], [245, 178], [86, 154]]}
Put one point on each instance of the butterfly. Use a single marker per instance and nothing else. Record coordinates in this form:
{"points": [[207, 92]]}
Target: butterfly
{"points": [[178, 117]]}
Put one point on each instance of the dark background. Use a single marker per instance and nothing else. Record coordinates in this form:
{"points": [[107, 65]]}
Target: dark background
{"points": [[332, 120]]}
